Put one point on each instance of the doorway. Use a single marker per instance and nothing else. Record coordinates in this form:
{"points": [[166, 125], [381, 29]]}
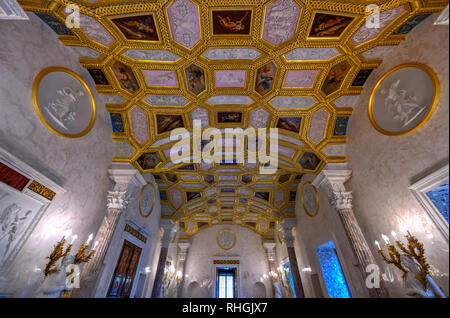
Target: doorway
{"points": [[122, 281]]}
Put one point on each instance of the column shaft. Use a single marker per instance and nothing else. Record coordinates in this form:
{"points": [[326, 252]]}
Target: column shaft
{"points": [[295, 272], [360, 248], [157, 283]]}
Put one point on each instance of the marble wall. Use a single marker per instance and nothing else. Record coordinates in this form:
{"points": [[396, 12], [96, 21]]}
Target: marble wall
{"points": [[313, 232], [248, 250], [79, 165], [384, 167]]}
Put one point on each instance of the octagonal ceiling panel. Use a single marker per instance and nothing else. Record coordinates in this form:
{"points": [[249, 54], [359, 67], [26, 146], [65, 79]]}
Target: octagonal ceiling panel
{"points": [[152, 55], [201, 114], [292, 102], [259, 118], [163, 100], [312, 54], [365, 34], [280, 21], [95, 31], [184, 22], [300, 78], [318, 125], [231, 54], [139, 125], [160, 78], [230, 100]]}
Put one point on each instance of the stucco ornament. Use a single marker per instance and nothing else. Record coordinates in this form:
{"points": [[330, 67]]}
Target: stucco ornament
{"points": [[226, 239]]}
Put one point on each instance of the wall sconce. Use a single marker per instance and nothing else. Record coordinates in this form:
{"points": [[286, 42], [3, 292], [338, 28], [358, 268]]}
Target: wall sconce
{"points": [[80, 256], [59, 253], [410, 258]]}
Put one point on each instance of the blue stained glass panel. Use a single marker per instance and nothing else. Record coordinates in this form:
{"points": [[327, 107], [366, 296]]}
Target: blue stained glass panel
{"points": [[291, 279], [332, 272], [439, 197]]}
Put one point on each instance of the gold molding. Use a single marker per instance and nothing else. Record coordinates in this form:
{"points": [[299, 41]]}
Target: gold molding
{"points": [[432, 107], [35, 88], [41, 190]]}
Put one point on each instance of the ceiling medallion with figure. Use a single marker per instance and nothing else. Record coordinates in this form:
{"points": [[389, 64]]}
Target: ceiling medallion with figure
{"points": [[63, 102], [226, 239], [404, 99], [147, 199]]}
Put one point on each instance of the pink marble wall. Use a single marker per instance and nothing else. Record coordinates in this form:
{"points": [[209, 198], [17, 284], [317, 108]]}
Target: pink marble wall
{"points": [[384, 167]]}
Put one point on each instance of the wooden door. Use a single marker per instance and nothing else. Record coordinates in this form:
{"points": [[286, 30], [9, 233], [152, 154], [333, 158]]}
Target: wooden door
{"points": [[122, 281]]}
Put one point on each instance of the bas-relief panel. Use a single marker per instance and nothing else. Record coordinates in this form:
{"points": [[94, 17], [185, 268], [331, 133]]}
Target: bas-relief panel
{"points": [[202, 115], [280, 21], [305, 54], [230, 100], [17, 212], [385, 177], [139, 124], [161, 78], [184, 22], [95, 31], [231, 54], [292, 102], [365, 34], [152, 55], [164, 100], [302, 78], [318, 125], [259, 118], [230, 78]]}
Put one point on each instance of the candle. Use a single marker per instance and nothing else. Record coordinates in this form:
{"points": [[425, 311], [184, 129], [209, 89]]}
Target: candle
{"points": [[74, 238], [394, 235], [95, 244], [386, 239], [377, 244], [91, 236]]}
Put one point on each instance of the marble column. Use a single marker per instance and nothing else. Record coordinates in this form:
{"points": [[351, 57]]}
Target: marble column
{"points": [[332, 180], [286, 227], [183, 248], [271, 259], [117, 201], [168, 227]]}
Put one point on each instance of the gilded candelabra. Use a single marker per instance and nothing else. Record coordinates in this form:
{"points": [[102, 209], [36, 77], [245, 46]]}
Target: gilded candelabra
{"points": [[81, 256], [55, 256], [415, 251]]}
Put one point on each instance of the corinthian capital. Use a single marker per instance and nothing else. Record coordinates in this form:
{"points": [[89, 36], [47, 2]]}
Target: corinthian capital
{"points": [[117, 200], [341, 200]]}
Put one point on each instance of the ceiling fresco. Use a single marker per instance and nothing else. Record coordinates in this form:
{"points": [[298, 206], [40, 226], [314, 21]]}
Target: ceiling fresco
{"points": [[296, 65]]}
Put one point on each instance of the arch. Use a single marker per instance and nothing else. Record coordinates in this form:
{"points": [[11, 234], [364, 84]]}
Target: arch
{"points": [[259, 290], [194, 290]]}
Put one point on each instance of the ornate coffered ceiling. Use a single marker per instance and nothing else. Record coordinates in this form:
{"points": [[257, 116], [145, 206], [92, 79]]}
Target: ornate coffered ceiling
{"points": [[297, 65]]}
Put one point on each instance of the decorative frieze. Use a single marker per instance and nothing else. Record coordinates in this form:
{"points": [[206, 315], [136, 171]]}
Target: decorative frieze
{"points": [[135, 233], [41, 190]]}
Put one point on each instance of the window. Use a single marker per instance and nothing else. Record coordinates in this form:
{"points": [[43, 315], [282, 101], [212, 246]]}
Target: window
{"points": [[432, 193], [439, 197], [226, 278], [332, 272], [287, 269]]}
